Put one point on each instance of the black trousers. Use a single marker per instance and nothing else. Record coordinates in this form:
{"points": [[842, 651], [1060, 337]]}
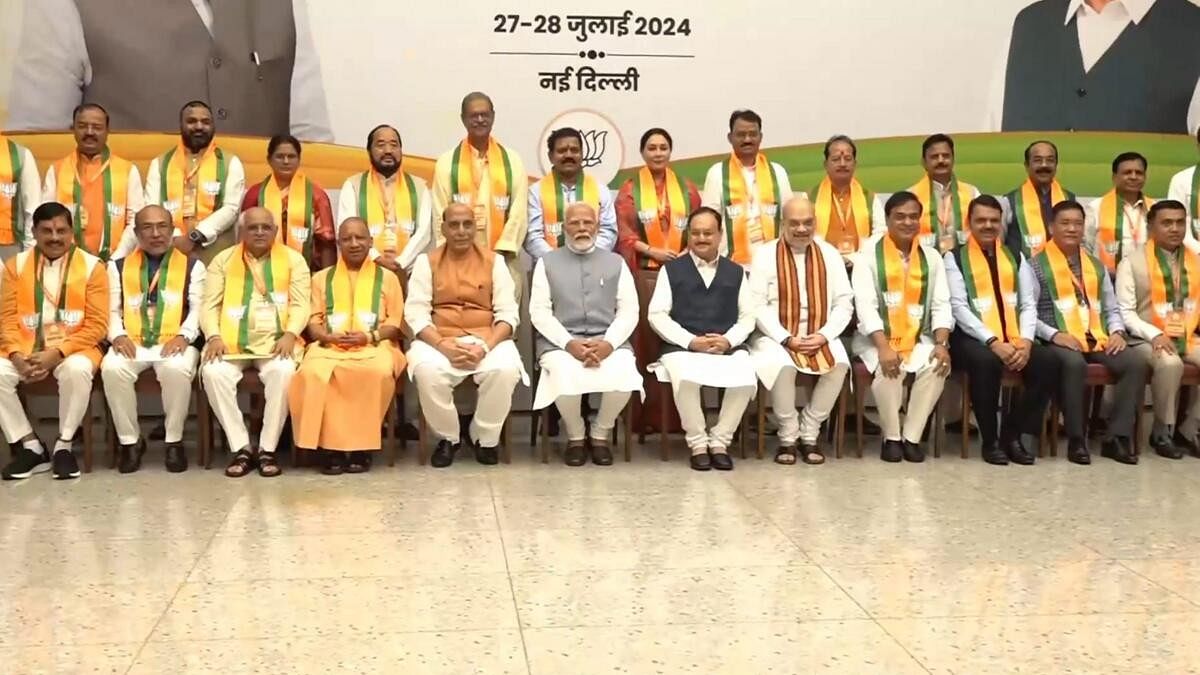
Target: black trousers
{"points": [[1130, 371], [986, 371]]}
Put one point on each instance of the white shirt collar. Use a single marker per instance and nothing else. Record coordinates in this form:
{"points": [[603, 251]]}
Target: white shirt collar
{"points": [[1136, 9], [701, 263]]}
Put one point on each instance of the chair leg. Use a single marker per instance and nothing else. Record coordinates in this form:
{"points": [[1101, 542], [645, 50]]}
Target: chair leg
{"points": [[110, 431], [87, 436], [966, 414], [839, 424], [628, 420], [859, 404], [762, 420], [505, 445], [543, 441], [939, 431], [662, 429], [422, 445], [1054, 431], [394, 428]]}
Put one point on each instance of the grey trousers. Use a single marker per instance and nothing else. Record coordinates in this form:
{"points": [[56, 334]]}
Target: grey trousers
{"points": [[1129, 368]]}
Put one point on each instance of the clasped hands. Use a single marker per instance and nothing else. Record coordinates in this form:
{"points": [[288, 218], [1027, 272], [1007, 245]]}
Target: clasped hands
{"points": [[590, 351]]}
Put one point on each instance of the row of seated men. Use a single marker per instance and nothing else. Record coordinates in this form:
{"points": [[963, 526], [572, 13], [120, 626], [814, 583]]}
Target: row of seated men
{"points": [[65, 314]]}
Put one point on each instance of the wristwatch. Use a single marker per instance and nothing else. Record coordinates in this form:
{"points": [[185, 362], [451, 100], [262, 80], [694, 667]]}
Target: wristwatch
{"points": [[196, 237]]}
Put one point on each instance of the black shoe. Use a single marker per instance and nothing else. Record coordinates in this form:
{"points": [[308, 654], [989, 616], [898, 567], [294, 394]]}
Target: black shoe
{"points": [[130, 456], [892, 451], [701, 462], [721, 461], [64, 465], [1017, 453], [1165, 448], [913, 452], [176, 461], [1186, 444], [1077, 451], [993, 455], [358, 462], [25, 463], [576, 454], [1118, 450], [443, 455], [601, 454], [488, 456]]}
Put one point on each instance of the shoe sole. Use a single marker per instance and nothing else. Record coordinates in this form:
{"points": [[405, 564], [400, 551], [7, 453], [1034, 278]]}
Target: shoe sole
{"points": [[40, 468], [68, 476]]}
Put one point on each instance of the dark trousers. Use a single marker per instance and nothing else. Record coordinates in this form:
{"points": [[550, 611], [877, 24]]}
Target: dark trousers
{"points": [[986, 371], [1129, 369]]}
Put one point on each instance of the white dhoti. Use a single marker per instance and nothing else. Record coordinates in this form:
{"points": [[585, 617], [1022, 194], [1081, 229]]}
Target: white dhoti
{"points": [[889, 392], [496, 376], [565, 381], [74, 376], [777, 371], [688, 372], [221, 380], [174, 378]]}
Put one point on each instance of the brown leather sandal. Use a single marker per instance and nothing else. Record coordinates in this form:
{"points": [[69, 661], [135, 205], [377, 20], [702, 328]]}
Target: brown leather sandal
{"points": [[267, 467], [240, 464]]}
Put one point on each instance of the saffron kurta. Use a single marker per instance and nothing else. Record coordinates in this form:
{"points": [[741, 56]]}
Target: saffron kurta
{"points": [[339, 397]]}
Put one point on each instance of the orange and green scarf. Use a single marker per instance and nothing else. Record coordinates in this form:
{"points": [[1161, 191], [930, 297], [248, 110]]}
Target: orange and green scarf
{"points": [[740, 234], [211, 175], [981, 292], [144, 327], [554, 206], [100, 202], [240, 290], [1068, 315], [298, 232], [651, 228], [463, 182], [904, 291]]}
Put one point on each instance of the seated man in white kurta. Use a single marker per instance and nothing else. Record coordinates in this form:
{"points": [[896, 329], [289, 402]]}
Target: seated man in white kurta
{"points": [[804, 301], [462, 308], [904, 324], [584, 307], [703, 335]]}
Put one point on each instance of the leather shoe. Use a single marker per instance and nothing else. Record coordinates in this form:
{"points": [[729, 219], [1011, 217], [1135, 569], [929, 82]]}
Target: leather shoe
{"points": [[721, 461], [1165, 448], [176, 461], [892, 451], [1118, 450], [443, 455], [1186, 444], [576, 454], [130, 458], [488, 456], [701, 461], [913, 452], [1017, 452], [993, 455], [1077, 451], [601, 454]]}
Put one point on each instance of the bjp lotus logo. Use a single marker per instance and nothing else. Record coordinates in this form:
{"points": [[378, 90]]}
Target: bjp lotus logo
{"points": [[603, 146]]}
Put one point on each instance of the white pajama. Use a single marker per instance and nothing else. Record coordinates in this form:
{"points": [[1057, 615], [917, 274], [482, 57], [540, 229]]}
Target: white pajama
{"points": [[497, 376], [74, 377], [174, 378], [889, 397], [695, 426], [221, 380], [805, 426]]}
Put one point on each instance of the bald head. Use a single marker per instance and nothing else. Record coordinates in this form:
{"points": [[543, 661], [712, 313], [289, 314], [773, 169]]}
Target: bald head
{"points": [[258, 230], [798, 222], [353, 224], [458, 227], [354, 241], [580, 225], [153, 226]]}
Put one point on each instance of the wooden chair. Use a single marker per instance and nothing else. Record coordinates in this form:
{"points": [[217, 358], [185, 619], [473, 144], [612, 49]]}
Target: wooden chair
{"points": [[48, 387], [668, 399], [1009, 381], [862, 379], [423, 451], [147, 383], [1096, 376], [625, 420], [396, 443], [807, 382]]}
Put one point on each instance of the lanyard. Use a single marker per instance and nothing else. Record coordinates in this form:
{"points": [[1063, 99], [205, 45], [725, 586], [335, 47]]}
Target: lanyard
{"points": [[57, 298]]}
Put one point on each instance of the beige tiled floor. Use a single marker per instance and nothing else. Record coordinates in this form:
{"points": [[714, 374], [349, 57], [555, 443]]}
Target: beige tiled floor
{"points": [[855, 567]]}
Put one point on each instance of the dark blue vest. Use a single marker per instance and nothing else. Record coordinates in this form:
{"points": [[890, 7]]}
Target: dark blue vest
{"points": [[701, 309]]}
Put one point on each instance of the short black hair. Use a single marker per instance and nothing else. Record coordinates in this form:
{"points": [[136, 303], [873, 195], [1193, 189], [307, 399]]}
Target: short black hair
{"points": [[1129, 157], [279, 139], [371, 134], [196, 103], [983, 201], [49, 211], [840, 138], [559, 134], [702, 211], [1164, 205], [471, 98], [1067, 205], [656, 132], [900, 199], [88, 106], [1029, 149], [934, 140], [745, 116]]}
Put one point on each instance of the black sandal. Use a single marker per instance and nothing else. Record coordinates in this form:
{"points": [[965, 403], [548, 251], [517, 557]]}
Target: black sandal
{"points": [[333, 464], [359, 462], [786, 455], [240, 464], [267, 467], [813, 455]]}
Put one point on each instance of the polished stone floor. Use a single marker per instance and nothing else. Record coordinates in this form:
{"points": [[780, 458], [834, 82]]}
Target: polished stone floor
{"points": [[952, 566]]}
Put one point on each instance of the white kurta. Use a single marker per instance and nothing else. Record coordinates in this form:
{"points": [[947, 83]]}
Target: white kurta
{"points": [[563, 374], [707, 370], [1133, 236], [867, 304], [418, 312], [766, 348], [419, 230]]}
